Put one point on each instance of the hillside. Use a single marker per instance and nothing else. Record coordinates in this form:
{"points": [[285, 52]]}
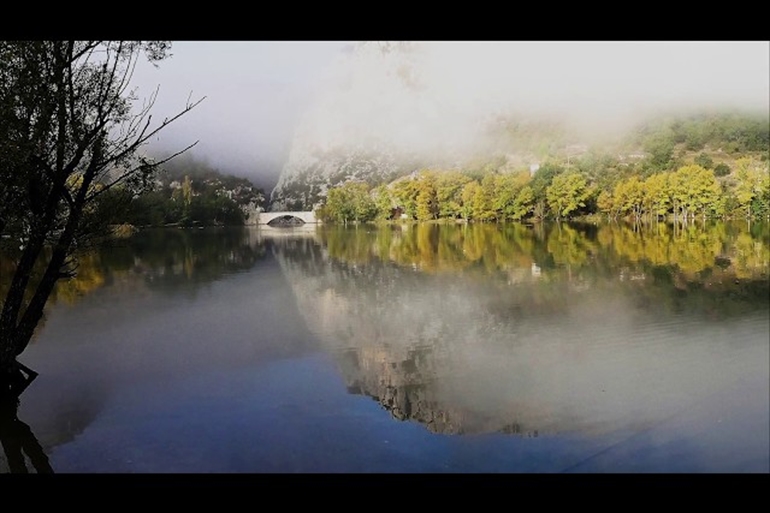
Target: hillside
{"points": [[192, 192], [716, 141]]}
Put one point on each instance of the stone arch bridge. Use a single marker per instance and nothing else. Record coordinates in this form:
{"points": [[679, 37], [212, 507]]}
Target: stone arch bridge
{"points": [[305, 217]]}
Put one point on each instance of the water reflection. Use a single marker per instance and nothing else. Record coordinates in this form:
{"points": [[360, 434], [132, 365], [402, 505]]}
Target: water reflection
{"points": [[539, 329], [555, 332], [18, 441], [125, 318]]}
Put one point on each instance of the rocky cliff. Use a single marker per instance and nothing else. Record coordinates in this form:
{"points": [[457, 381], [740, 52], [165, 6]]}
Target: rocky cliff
{"points": [[381, 113]]}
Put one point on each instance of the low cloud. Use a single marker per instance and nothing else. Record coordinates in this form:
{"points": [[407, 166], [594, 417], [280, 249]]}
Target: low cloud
{"points": [[433, 97]]}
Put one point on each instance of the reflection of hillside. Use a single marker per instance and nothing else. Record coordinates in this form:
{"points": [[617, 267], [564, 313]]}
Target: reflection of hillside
{"points": [[551, 338], [186, 258], [165, 258]]}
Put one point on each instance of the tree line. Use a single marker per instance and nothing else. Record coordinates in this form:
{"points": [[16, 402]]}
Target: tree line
{"points": [[701, 166], [693, 252], [190, 196], [555, 192]]}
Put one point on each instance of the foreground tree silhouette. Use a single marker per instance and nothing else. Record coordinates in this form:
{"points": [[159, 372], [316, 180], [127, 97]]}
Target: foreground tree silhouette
{"points": [[68, 136]]}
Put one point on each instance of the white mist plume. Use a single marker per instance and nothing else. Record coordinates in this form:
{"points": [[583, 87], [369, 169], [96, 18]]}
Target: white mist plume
{"points": [[433, 97]]}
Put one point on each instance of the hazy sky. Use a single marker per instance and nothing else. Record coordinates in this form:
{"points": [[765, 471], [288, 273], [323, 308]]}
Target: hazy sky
{"points": [[258, 92]]}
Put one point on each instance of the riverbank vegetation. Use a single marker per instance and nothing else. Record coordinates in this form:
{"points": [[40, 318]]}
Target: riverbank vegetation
{"points": [[698, 166], [190, 192]]}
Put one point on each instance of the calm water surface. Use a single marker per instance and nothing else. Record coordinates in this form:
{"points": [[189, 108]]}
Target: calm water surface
{"points": [[422, 348]]}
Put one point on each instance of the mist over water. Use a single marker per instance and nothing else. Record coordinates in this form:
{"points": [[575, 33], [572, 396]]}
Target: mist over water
{"points": [[428, 348]]}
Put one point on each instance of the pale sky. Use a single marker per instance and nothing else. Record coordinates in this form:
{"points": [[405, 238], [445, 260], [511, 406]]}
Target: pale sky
{"points": [[257, 92]]}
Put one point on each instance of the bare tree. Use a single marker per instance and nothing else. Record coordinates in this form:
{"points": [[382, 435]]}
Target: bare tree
{"points": [[69, 134]]}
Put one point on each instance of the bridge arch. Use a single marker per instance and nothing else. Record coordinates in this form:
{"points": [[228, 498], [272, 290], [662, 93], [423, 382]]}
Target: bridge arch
{"points": [[305, 217], [286, 220]]}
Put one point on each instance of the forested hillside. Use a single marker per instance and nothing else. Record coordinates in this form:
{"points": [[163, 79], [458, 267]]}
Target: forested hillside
{"points": [[192, 192], [697, 165]]}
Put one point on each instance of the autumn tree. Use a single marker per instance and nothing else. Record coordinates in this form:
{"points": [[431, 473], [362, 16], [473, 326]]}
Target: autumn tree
{"points": [[484, 201], [567, 193], [506, 187], [629, 197], [656, 195], [426, 202], [749, 176], [405, 193], [523, 205], [470, 192], [69, 134], [383, 202], [693, 190], [348, 202], [606, 204], [449, 188]]}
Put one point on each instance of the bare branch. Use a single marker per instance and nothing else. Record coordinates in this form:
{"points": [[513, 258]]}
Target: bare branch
{"points": [[146, 136], [128, 174]]}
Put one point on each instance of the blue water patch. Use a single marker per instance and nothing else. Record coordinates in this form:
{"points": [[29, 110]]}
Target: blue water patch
{"points": [[293, 415]]}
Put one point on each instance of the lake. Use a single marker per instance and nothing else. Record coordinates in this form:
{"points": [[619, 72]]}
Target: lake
{"points": [[557, 348]]}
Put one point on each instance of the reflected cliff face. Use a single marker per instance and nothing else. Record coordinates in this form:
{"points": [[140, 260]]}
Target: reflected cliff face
{"points": [[537, 329]]}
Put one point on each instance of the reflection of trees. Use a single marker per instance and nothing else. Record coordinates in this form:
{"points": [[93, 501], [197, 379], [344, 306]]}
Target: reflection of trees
{"points": [[434, 247], [166, 259], [173, 257], [177, 258], [661, 259], [16, 437], [570, 247], [415, 314], [709, 254], [90, 276]]}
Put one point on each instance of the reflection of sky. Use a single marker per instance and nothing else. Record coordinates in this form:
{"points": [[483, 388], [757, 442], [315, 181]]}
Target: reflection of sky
{"points": [[294, 416], [598, 364], [231, 380], [113, 338], [290, 416]]}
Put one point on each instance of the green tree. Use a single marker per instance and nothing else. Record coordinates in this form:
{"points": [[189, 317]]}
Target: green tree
{"points": [[405, 193], [693, 190], [751, 179], [567, 193], [540, 182], [383, 202], [426, 202], [348, 202], [721, 169], [660, 148], [524, 203], [656, 195], [471, 191], [68, 134], [449, 187], [705, 161]]}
